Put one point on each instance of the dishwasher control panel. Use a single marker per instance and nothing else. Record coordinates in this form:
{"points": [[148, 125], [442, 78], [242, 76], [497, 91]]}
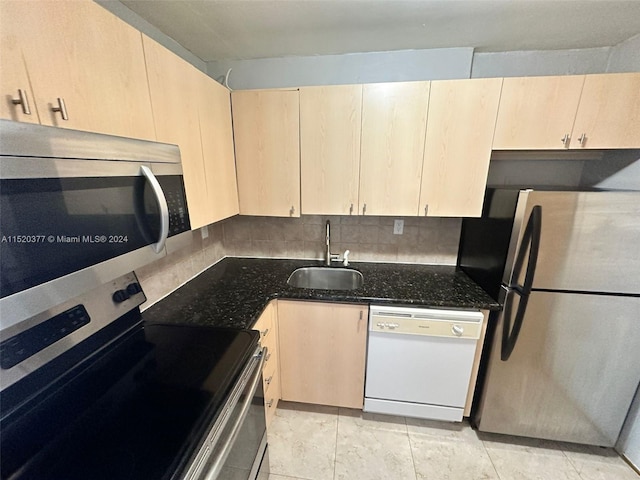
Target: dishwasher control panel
{"points": [[423, 321]]}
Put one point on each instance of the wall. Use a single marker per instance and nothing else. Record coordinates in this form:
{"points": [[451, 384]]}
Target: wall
{"points": [[402, 65], [371, 239], [433, 64], [532, 63], [165, 275], [625, 57]]}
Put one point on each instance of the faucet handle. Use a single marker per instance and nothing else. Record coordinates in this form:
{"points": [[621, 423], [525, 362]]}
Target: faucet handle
{"points": [[345, 258]]}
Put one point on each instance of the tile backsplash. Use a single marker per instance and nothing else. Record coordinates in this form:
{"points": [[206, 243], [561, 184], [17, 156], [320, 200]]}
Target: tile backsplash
{"points": [[369, 239], [165, 275]]}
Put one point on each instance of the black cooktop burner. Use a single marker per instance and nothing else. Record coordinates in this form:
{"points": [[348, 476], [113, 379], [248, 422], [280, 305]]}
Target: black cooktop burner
{"points": [[137, 412]]}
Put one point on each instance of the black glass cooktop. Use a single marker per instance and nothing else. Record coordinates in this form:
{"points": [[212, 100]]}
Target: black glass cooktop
{"points": [[139, 411]]}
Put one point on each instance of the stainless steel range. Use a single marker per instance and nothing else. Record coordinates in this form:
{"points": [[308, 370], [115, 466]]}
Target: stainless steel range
{"points": [[133, 400]]}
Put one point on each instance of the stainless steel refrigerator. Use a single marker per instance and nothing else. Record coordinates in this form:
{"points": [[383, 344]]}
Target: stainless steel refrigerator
{"points": [[563, 359]]}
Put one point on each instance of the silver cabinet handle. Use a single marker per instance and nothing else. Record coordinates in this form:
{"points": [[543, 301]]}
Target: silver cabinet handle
{"points": [[264, 332], [162, 204], [22, 100], [268, 380], [351, 209], [582, 140], [364, 209], [292, 211], [266, 359], [62, 108], [269, 403], [565, 140], [426, 209]]}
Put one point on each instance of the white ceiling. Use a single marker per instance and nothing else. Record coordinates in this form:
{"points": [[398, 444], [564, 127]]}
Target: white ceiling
{"points": [[246, 29]]}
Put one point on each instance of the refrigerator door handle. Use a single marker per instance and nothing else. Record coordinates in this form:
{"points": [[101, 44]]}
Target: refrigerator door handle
{"points": [[531, 239], [510, 333]]}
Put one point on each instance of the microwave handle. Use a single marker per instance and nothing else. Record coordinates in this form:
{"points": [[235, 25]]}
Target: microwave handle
{"points": [[162, 203]]}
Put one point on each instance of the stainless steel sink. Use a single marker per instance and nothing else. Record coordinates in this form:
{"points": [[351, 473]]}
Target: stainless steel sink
{"points": [[326, 278]]}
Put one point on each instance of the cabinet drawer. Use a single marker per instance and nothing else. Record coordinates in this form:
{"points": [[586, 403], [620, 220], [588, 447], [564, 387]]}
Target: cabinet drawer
{"points": [[270, 341], [266, 328], [269, 379], [271, 397]]}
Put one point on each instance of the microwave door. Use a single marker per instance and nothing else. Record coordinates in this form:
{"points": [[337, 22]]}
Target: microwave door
{"points": [[67, 234]]}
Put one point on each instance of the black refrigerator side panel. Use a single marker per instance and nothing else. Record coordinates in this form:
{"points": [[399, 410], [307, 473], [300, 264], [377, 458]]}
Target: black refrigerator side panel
{"points": [[484, 241]]}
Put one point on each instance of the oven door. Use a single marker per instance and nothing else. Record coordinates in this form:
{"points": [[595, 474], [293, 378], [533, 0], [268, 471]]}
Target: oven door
{"points": [[236, 445]]}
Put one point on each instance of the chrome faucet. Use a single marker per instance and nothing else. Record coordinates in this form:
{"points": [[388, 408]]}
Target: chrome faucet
{"points": [[328, 255]]}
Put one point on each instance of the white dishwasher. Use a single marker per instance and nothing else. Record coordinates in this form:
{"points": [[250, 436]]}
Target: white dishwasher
{"points": [[419, 361]]}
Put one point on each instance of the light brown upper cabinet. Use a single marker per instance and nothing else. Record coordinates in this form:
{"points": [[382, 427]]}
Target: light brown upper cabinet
{"points": [[330, 126], [460, 126], [609, 112], [537, 112], [82, 62], [173, 84], [17, 96], [394, 121], [267, 140], [214, 113]]}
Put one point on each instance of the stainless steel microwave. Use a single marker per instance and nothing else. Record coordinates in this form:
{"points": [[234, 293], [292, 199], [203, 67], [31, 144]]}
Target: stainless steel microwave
{"points": [[79, 209]]}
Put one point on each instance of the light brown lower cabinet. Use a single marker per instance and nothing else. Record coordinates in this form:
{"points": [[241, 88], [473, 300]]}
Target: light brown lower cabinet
{"points": [[322, 349], [267, 325]]}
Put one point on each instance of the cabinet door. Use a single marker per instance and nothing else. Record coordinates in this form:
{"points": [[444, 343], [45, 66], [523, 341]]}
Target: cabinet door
{"points": [[173, 86], [86, 56], [394, 121], [460, 126], [330, 125], [214, 112], [609, 112], [537, 112], [322, 352], [13, 76], [267, 140]]}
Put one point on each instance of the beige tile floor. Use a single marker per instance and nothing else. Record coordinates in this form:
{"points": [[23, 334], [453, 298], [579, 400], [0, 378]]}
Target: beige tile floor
{"points": [[309, 442]]}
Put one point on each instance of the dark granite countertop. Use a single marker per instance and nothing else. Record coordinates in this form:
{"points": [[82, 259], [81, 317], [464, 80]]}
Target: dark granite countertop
{"points": [[233, 292]]}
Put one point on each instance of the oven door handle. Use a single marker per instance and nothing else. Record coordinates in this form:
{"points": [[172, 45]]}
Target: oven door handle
{"points": [[162, 204], [218, 461]]}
